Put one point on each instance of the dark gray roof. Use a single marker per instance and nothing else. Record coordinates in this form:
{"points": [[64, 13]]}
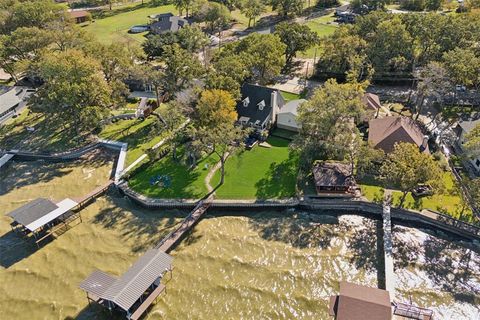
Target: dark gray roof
{"points": [[168, 22], [32, 211], [97, 282], [332, 174], [133, 283], [255, 95]]}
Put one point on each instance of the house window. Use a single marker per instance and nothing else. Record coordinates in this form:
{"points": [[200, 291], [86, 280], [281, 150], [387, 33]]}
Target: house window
{"points": [[246, 101], [261, 105]]}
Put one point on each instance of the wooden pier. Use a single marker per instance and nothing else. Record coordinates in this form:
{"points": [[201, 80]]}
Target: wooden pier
{"points": [[173, 237], [411, 312], [95, 193]]}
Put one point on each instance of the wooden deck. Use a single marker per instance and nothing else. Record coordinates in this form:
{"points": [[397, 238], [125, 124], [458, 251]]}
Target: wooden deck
{"points": [[147, 302], [172, 238]]}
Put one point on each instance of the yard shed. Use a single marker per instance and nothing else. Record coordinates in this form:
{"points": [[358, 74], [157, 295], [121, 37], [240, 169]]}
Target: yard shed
{"points": [[333, 178]]}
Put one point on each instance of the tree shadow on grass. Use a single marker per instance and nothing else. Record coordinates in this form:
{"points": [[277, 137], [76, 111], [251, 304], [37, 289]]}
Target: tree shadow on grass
{"points": [[182, 180], [280, 179]]}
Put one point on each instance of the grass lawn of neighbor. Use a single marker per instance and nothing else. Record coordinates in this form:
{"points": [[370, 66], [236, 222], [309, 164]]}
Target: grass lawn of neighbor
{"points": [[139, 134], [47, 137], [184, 183], [260, 173], [323, 26], [114, 28], [447, 202]]}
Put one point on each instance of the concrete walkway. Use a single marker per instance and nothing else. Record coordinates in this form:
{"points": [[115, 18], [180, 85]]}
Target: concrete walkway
{"points": [[158, 145]]}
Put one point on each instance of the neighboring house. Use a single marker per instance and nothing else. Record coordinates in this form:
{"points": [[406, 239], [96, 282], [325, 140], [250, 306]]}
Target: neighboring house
{"points": [[80, 16], [333, 178], [342, 9], [259, 106], [371, 101], [462, 129], [165, 22], [360, 302], [385, 132], [287, 115], [13, 100]]}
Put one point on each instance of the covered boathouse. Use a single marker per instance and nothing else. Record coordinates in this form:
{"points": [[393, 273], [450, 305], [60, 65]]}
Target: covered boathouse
{"points": [[134, 291], [42, 218]]}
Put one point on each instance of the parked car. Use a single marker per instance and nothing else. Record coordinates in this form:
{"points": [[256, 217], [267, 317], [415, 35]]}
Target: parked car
{"points": [[250, 142], [139, 29], [422, 190]]}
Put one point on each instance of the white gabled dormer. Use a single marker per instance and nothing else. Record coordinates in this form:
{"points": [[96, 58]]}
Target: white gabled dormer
{"points": [[246, 102], [261, 105]]}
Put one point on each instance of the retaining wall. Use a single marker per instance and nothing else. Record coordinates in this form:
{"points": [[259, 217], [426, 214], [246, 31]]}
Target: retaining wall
{"points": [[432, 220]]}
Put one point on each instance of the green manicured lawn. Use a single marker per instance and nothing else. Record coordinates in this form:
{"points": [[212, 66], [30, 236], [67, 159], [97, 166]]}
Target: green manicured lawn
{"points": [[186, 183], [288, 96], [140, 135], [115, 28], [260, 173], [447, 202], [323, 27]]}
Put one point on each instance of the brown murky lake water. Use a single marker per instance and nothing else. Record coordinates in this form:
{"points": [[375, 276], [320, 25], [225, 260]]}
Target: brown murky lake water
{"points": [[254, 265]]}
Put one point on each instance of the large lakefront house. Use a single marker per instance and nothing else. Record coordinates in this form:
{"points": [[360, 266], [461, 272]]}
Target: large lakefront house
{"points": [[383, 133], [258, 107]]}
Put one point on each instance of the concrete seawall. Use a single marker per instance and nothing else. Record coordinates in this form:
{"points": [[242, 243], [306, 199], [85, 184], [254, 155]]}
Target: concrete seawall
{"points": [[430, 220]]}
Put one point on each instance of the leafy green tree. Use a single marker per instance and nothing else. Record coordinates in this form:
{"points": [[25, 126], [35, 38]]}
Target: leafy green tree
{"points": [[180, 68], [390, 48], [216, 107], [74, 89], [228, 72], [345, 54], [36, 13], [463, 65], [297, 37], [215, 15], [252, 9], [406, 167], [222, 140], [287, 7], [21, 47], [327, 118], [434, 83], [192, 38], [264, 54], [154, 46], [181, 5]]}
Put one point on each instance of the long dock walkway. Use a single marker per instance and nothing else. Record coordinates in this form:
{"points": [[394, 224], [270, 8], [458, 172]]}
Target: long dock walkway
{"points": [[92, 195], [172, 238], [388, 248]]}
